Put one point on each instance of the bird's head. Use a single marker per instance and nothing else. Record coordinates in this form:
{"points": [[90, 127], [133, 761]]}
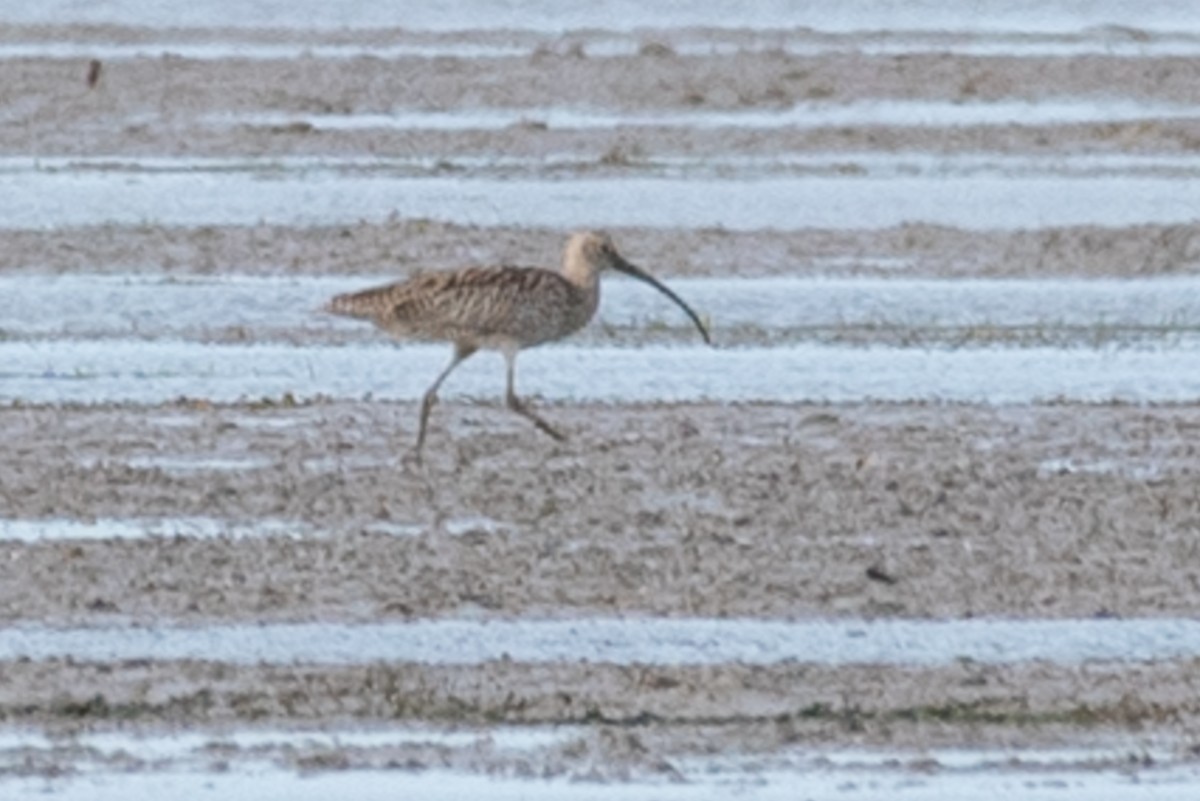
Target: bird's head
{"points": [[590, 252]]}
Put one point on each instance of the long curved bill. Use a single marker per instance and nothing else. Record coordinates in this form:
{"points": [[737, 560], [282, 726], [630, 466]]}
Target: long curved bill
{"points": [[640, 274]]}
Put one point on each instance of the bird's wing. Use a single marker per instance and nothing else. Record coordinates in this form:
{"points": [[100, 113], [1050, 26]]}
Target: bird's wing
{"points": [[473, 302], [485, 301]]}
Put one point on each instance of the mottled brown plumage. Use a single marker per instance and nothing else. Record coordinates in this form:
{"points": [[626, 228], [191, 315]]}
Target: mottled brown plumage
{"points": [[480, 306], [497, 308]]}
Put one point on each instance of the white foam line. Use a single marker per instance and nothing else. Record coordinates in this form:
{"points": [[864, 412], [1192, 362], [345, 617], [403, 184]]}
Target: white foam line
{"points": [[157, 372], [807, 115], [37, 200], [146, 306], [654, 641]]}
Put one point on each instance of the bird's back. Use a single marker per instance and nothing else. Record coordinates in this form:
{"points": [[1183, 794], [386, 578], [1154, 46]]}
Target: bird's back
{"points": [[481, 306]]}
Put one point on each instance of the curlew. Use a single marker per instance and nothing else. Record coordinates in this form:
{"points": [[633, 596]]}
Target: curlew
{"points": [[500, 308]]}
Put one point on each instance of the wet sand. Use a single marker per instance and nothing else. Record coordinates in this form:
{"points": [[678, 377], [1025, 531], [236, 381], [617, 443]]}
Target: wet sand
{"points": [[157, 105], [723, 511], [169, 105], [396, 248], [785, 511], [687, 710]]}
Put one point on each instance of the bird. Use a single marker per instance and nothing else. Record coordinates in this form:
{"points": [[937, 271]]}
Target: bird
{"points": [[498, 307]]}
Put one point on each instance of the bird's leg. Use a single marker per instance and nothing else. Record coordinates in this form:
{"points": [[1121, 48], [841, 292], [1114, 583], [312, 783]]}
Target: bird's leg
{"points": [[514, 403], [461, 352]]}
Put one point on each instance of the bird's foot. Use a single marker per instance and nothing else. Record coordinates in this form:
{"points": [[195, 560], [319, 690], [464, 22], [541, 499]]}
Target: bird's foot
{"points": [[412, 460], [549, 429], [520, 408]]}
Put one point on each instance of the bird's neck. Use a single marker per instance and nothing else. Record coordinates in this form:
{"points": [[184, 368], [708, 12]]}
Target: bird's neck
{"points": [[581, 275], [587, 290]]}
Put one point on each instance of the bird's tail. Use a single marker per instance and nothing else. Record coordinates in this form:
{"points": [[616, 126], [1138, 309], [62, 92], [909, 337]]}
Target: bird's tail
{"points": [[365, 304]]}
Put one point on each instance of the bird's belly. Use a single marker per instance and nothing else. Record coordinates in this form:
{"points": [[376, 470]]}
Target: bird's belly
{"points": [[525, 328], [499, 342], [529, 331]]}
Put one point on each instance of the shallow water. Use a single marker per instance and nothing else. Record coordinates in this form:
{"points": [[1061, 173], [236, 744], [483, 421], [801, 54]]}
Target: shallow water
{"points": [[156, 372], [194, 745], [611, 45], [806, 115], [549, 15], [47, 200], [1034, 784], [198, 528], [150, 306], [727, 166], [649, 641], [109, 529], [255, 765]]}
